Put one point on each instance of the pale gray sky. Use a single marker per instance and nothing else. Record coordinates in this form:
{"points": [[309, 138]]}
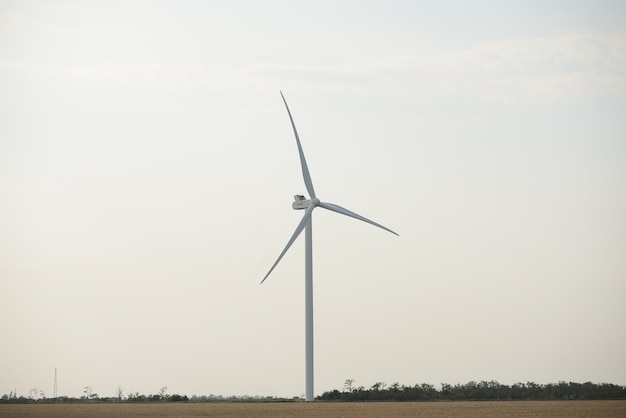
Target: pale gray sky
{"points": [[147, 168]]}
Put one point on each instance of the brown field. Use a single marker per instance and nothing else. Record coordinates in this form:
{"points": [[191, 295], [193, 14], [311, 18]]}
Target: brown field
{"points": [[604, 409]]}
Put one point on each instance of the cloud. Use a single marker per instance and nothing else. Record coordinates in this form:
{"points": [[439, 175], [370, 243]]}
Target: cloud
{"points": [[533, 70], [530, 71]]}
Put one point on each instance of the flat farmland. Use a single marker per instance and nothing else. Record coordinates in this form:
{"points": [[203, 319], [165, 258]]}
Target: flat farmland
{"points": [[604, 409]]}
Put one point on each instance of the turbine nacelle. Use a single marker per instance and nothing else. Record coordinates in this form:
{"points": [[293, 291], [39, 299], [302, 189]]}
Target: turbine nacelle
{"points": [[300, 202]]}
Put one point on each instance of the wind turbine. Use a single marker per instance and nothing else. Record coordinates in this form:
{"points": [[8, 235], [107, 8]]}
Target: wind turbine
{"points": [[300, 203]]}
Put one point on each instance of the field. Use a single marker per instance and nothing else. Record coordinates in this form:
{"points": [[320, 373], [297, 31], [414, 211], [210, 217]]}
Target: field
{"points": [[604, 409]]}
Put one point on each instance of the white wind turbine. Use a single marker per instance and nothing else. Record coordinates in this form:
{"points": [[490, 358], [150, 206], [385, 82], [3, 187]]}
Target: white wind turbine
{"points": [[301, 203]]}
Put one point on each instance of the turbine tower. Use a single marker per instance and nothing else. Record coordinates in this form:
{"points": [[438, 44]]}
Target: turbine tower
{"points": [[308, 205]]}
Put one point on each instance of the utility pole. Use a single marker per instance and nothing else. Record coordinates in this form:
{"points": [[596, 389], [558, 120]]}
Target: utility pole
{"points": [[55, 383]]}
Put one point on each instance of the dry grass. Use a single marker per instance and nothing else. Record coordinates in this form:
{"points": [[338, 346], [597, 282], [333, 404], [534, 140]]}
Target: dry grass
{"points": [[587, 409]]}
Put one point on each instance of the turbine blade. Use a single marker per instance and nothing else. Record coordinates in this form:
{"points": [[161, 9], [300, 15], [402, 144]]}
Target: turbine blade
{"points": [[344, 211], [305, 168], [299, 228]]}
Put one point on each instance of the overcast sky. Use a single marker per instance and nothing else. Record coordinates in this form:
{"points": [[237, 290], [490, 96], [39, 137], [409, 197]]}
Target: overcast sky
{"points": [[147, 170]]}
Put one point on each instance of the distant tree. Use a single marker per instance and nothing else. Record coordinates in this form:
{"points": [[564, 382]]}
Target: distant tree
{"points": [[333, 395], [119, 393], [36, 394], [377, 386], [162, 393], [347, 386], [446, 390], [136, 397], [533, 390]]}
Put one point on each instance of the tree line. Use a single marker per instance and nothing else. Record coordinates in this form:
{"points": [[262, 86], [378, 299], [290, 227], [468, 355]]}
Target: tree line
{"points": [[379, 391], [38, 396], [475, 391]]}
